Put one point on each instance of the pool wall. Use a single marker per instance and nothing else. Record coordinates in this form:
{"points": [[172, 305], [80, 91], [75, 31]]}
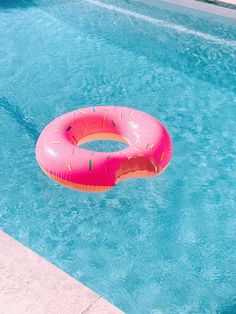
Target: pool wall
{"points": [[224, 10]]}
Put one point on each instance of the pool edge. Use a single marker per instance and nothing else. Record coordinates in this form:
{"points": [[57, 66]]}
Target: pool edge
{"points": [[198, 5], [31, 284]]}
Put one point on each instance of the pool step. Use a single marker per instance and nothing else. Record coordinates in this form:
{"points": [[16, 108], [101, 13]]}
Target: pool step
{"points": [[30, 284]]}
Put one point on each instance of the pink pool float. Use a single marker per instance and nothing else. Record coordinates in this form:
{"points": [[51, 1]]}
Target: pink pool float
{"points": [[60, 156]]}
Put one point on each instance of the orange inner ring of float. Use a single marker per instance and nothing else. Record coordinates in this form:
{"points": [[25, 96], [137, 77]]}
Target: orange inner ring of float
{"points": [[103, 136]]}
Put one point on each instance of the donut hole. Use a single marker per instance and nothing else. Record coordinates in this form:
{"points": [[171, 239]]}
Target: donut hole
{"points": [[104, 146], [103, 142]]}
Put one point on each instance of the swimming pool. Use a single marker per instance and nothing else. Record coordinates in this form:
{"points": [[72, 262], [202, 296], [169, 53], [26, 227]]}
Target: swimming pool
{"points": [[159, 245]]}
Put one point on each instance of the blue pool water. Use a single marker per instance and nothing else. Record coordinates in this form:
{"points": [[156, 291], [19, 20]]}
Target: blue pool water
{"points": [[159, 245]]}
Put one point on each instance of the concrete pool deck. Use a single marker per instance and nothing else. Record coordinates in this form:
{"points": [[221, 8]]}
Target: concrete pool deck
{"points": [[30, 284]]}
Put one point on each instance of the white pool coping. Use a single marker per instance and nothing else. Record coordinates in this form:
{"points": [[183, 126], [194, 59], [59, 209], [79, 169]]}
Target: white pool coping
{"points": [[30, 284], [229, 1], [201, 6]]}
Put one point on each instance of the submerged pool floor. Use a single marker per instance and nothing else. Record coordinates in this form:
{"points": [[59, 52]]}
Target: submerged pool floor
{"points": [[159, 245]]}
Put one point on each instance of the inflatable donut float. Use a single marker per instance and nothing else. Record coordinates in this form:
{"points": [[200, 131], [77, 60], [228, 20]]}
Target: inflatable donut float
{"points": [[60, 156]]}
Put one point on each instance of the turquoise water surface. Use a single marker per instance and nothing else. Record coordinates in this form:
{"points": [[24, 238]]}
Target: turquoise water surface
{"points": [[159, 245]]}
